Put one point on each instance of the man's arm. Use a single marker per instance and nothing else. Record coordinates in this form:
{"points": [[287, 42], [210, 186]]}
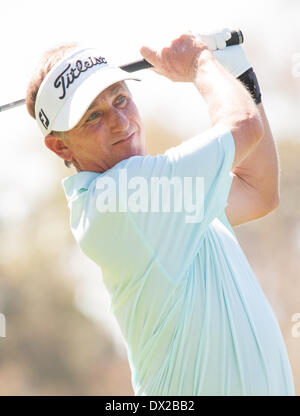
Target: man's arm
{"points": [[254, 192], [187, 59]]}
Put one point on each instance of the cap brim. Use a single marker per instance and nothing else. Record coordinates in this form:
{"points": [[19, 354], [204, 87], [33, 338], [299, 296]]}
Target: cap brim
{"points": [[75, 107]]}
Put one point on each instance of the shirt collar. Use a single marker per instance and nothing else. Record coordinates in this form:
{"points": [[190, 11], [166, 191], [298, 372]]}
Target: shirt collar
{"points": [[77, 183]]}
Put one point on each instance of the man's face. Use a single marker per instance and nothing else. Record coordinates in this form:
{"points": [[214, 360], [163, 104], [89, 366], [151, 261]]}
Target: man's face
{"points": [[110, 131]]}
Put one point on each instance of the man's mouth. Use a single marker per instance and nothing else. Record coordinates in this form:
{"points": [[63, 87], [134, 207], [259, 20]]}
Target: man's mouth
{"points": [[125, 139]]}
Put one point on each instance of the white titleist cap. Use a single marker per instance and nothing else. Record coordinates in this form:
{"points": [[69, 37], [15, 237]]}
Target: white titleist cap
{"points": [[71, 86]]}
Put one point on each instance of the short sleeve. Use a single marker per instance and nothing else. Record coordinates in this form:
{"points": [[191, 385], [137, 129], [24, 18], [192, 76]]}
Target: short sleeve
{"points": [[208, 156]]}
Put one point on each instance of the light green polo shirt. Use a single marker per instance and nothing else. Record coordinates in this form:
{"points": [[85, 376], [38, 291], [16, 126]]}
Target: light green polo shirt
{"points": [[193, 315]]}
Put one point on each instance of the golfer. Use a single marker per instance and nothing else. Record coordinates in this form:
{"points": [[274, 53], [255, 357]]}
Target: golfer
{"points": [[193, 315]]}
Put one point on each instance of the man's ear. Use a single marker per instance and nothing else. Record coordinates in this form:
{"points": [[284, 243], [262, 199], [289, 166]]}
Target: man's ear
{"points": [[58, 146]]}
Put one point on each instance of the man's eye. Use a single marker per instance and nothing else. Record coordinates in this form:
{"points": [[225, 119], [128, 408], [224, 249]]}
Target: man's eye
{"points": [[94, 116], [121, 99]]}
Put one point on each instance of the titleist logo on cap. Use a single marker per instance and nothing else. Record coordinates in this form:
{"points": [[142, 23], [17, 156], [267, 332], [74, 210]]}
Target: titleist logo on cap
{"points": [[70, 74]]}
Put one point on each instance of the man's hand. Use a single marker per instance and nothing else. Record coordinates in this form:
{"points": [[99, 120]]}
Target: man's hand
{"points": [[186, 51], [180, 60]]}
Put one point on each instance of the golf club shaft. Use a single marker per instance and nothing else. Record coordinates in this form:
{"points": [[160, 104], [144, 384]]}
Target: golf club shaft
{"points": [[12, 105], [236, 39]]}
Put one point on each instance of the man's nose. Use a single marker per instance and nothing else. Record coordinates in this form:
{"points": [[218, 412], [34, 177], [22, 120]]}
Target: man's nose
{"points": [[118, 120]]}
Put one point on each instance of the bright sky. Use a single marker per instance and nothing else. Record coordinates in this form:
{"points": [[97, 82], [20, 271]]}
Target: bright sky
{"points": [[119, 28]]}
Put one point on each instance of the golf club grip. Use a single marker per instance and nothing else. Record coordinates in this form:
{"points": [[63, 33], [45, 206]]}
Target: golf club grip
{"points": [[236, 39]]}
